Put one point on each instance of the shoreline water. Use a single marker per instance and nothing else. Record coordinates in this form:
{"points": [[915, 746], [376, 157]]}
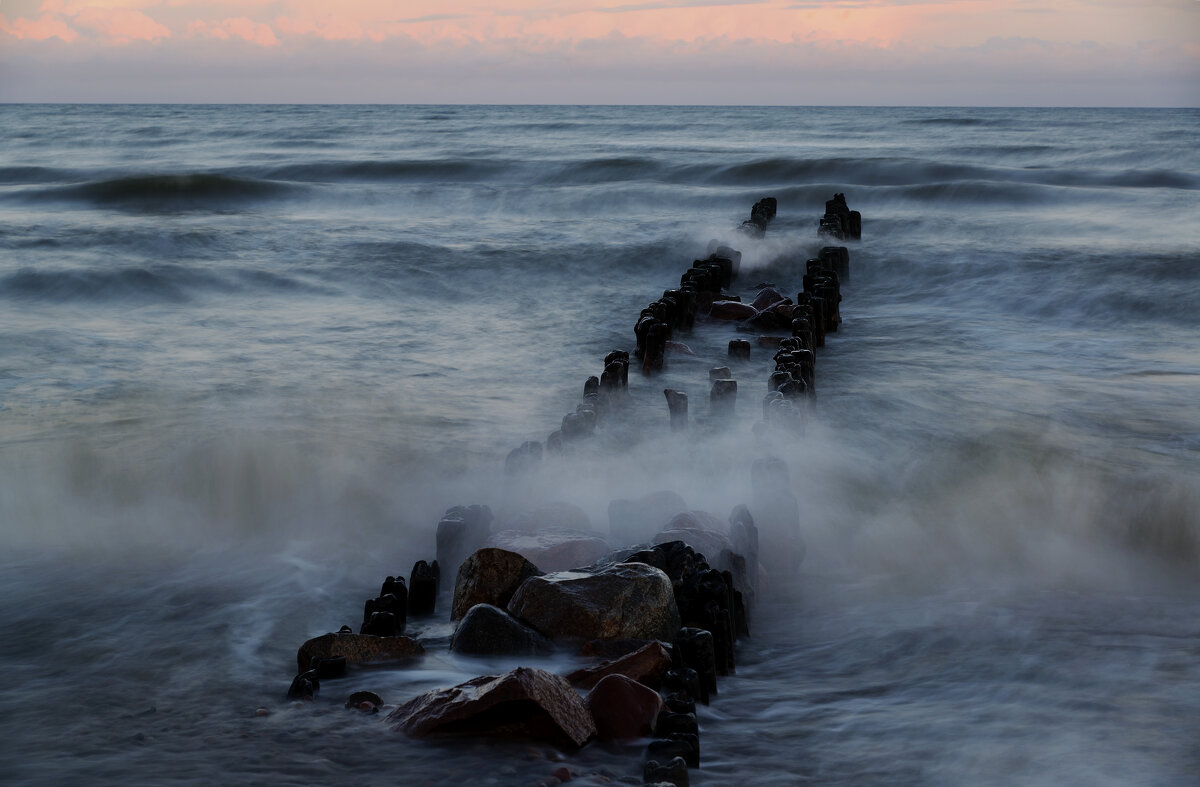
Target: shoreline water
{"points": [[224, 419]]}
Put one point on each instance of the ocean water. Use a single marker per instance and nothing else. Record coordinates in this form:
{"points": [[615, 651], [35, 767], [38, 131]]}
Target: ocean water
{"points": [[250, 354]]}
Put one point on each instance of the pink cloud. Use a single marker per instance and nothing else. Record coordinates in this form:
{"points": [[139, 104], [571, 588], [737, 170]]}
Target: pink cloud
{"points": [[44, 27], [120, 25], [330, 26], [238, 27]]}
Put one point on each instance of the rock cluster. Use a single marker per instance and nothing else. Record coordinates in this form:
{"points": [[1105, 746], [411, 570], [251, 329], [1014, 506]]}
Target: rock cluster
{"points": [[659, 619]]}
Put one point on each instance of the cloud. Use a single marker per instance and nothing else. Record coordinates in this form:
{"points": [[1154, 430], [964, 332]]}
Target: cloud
{"points": [[237, 27], [607, 51], [615, 69], [40, 29], [119, 25]]}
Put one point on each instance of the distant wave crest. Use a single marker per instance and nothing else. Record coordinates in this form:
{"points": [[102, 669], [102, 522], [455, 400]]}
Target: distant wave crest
{"points": [[173, 283], [213, 191]]}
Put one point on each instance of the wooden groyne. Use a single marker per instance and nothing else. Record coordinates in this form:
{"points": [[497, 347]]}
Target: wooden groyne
{"points": [[658, 620]]}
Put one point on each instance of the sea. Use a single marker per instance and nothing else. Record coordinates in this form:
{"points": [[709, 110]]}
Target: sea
{"points": [[250, 354]]}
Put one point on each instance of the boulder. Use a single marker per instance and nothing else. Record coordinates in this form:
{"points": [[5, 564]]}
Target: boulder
{"points": [[766, 298], [646, 665], [364, 701], [731, 310], [490, 631], [553, 548], [357, 649], [524, 703], [623, 709], [620, 601], [489, 576]]}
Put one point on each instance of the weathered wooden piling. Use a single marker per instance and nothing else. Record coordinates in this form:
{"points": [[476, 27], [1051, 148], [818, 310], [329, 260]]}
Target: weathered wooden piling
{"points": [[677, 404]]}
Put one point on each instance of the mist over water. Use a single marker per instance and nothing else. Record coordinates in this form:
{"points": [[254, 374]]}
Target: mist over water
{"points": [[249, 355]]}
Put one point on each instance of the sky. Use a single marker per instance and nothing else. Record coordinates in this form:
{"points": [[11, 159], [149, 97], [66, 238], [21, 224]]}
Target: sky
{"points": [[791, 52]]}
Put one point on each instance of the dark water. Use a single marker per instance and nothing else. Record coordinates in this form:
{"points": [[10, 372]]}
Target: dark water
{"points": [[248, 355]]}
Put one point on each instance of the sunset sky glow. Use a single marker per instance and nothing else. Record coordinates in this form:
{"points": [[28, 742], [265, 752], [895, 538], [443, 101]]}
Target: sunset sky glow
{"points": [[972, 52]]}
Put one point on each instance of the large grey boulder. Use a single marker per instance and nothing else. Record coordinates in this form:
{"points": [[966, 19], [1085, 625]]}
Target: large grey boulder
{"points": [[524, 703], [489, 576], [628, 600]]}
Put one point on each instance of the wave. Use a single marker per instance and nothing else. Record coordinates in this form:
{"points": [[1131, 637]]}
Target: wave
{"points": [[922, 172], [167, 192], [163, 282], [25, 175], [453, 169], [609, 170], [949, 121]]}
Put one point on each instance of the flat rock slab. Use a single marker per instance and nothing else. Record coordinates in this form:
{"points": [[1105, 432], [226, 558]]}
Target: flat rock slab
{"points": [[358, 649], [646, 665], [628, 600], [553, 548], [525, 703]]}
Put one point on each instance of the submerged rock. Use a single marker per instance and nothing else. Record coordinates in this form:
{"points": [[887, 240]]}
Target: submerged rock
{"points": [[489, 576], [524, 703], [364, 701], [628, 600], [731, 310], [357, 649], [490, 631]]}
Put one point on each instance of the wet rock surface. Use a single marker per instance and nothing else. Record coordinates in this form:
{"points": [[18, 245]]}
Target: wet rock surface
{"points": [[524, 703], [622, 601], [490, 631], [489, 576], [646, 665], [357, 649], [623, 709]]}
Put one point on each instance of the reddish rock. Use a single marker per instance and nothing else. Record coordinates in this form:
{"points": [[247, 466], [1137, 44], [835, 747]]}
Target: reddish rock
{"points": [[731, 310], [621, 601], [623, 709], [647, 665], [524, 703], [554, 548], [357, 649], [489, 576]]}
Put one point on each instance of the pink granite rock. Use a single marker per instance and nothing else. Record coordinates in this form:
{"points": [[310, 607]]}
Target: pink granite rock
{"points": [[525, 703]]}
